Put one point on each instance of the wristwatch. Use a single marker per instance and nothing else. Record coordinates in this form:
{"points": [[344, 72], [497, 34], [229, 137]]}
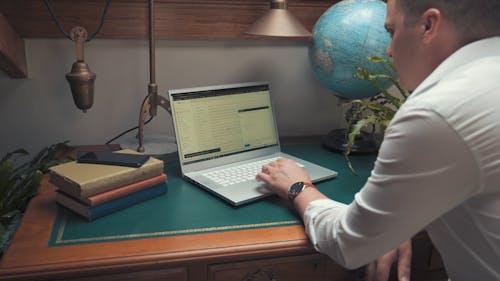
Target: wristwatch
{"points": [[297, 188]]}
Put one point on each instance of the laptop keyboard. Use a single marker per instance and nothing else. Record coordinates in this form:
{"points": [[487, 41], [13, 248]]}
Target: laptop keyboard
{"points": [[240, 173]]}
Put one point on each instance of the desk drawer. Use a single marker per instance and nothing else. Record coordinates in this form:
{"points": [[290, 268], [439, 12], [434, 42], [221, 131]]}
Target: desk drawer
{"points": [[309, 267], [174, 274]]}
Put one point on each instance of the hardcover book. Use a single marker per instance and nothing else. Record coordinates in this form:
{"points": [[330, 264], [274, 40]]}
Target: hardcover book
{"points": [[121, 191], [84, 180], [94, 212]]}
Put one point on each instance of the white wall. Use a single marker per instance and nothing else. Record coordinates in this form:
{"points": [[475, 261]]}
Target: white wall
{"points": [[39, 110]]}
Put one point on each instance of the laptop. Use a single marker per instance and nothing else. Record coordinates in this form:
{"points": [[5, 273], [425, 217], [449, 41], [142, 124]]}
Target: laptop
{"points": [[220, 129]]}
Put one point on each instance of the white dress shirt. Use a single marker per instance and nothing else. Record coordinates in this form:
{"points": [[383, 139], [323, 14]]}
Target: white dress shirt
{"points": [[438, 168]]}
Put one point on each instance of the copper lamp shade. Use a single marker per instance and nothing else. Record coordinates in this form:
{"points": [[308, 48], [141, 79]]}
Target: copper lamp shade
{"points": [[278, 21], [81, 78], [81, 81]]}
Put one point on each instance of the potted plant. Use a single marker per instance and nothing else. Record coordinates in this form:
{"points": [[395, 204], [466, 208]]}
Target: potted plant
{"points": [[376, 113], [19, 183]]}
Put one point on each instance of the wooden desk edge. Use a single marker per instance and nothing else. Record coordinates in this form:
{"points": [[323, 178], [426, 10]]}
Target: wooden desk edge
{"points": [[150, 262]]}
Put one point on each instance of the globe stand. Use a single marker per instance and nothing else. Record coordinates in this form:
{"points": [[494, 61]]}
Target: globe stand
{"points": [[364, 143], [336, 140]]}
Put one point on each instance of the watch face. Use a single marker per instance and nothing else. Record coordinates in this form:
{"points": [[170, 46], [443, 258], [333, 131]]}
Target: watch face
{"points": [[295, 189]]}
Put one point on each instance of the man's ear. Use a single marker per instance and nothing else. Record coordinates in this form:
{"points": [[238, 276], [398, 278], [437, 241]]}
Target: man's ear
{"points": [[430, 24]]}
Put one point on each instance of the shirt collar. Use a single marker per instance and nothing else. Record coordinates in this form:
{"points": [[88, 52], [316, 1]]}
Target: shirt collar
{"points": [[470, 52]]}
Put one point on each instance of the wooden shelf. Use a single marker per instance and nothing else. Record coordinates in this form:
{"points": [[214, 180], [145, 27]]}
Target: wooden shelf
{"points": [[127, 19], [12, 55]]}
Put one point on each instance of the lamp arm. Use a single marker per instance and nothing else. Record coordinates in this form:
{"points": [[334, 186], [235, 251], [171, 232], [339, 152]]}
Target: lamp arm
{"points": [[152, 87], [149, 106]]}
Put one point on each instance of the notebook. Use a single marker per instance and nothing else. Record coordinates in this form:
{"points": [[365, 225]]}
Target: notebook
{"points": [[220, 128]]}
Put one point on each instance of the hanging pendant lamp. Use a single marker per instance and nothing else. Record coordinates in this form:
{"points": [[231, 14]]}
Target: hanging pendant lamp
{"points": [[278, 21]]}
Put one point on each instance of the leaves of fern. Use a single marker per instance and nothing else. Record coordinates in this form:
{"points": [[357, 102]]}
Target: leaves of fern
{"points": [[356, 131]]}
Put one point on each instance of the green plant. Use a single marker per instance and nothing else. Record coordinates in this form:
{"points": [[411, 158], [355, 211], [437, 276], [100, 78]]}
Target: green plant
{"points": [[19, 183], [376, 113]]}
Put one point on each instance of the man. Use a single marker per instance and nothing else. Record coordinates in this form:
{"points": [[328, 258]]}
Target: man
{"points": [[438, 167]]}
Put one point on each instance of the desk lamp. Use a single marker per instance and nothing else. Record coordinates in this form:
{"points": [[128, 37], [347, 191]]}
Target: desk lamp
{"points": [[279, 22], [149, 104], [153, 99]]}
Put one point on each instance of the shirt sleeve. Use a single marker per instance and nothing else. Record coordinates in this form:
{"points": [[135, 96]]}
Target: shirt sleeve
{"points": [[423, 170]]}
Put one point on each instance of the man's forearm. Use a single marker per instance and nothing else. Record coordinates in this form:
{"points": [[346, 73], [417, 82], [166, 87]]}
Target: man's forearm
{"points": [[305, 197]]}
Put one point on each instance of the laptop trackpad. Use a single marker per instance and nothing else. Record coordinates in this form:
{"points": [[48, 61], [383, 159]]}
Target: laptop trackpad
{"points": [[244, 190]]}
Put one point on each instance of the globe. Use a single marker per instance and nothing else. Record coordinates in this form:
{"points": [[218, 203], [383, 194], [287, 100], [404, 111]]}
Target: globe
{"points": [[345, 36]]}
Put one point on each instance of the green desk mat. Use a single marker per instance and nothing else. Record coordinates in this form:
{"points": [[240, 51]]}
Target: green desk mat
{"points": [[187, 209]]}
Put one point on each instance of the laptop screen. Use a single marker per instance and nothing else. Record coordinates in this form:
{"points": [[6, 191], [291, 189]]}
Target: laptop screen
{"points": [[219, 122]]}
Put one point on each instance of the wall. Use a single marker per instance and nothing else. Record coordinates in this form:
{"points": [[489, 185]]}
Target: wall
{"points": [[39, 111]]}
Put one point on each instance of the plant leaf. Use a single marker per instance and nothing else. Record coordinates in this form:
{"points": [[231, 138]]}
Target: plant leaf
{"points": [[356, 131], [19, 183], [9, 155]]}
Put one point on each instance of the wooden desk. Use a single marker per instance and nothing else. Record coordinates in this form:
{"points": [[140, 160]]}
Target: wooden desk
{"points": [[214, 256], [281, 252]]}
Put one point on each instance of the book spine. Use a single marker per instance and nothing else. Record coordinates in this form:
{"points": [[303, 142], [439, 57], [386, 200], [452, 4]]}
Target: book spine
{"points": [[72, 204], [120, 179], [63, 184], [122, 191], [127, 201], [92, 213]]}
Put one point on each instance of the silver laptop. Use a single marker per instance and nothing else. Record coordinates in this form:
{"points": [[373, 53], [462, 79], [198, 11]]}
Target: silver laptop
{"points": [[224, 130]]}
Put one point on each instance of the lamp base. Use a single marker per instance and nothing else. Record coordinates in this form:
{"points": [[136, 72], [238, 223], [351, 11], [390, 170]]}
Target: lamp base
{"points": [[336, 140], [157, 145]]}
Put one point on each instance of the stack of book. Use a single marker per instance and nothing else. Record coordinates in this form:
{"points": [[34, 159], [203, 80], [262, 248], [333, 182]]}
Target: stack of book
{"points": [[96, 190]]}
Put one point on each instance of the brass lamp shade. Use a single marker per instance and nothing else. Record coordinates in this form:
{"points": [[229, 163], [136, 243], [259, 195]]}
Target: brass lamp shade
{"points": [[81, 81], [278, 21]]}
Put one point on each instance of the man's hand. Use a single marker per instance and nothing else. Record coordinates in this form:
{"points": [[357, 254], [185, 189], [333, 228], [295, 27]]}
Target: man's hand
{"points": [[380, 269], [281, 174]]}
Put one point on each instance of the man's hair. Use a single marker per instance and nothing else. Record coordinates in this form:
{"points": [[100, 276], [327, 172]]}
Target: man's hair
{"points": [[474, 19]]}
